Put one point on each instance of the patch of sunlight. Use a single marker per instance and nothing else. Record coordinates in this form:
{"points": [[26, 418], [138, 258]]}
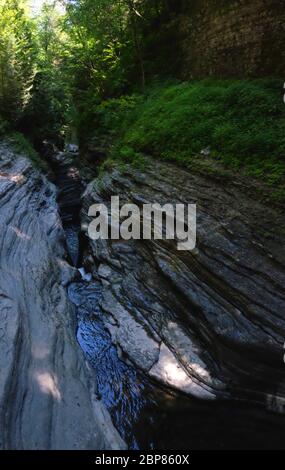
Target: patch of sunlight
{"points": [[169, 371], [36, 5], [14, 178], [20, 234], [192, 357], [73, 173], [48, 384], [199, 370], [175, 374]]}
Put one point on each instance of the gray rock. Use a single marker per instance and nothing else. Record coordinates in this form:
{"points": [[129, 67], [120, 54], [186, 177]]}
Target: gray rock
{"points": [[47, 400], [169, 371], [206, 151], [219, 311], [132, 338]]}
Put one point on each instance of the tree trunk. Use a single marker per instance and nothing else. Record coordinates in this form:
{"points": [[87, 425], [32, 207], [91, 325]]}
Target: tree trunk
{"points": [[136, 40]]}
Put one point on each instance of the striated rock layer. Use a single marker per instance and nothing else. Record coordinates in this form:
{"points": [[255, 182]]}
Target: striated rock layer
{"points": [[210, 322], [47, 394]]}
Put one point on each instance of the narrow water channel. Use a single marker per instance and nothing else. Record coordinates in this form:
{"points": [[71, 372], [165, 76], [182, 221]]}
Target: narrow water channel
{"points": [[147, 416]]}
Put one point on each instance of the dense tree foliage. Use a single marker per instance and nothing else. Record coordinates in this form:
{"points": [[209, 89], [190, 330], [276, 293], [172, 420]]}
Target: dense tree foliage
{"points": [[17, 57], [45, 114], [112, 50], [105, 70], [66, 60]]}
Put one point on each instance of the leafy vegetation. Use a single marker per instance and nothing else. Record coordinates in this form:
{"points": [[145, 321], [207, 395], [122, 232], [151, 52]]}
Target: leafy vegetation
{"points": [[100, 69], [22, 146], [17, 56], [54, 63], [240, 122]]}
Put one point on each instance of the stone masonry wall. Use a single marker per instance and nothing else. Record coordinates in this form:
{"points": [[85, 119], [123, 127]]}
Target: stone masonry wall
{"points": [[233, 38]]}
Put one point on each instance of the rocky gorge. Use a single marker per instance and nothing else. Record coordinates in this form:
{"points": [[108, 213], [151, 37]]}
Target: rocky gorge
{"points": [[181, 349]]}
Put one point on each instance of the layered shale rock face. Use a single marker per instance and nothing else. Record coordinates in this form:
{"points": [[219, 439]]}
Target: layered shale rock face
{"points": [[47, 394], [210, 322]]}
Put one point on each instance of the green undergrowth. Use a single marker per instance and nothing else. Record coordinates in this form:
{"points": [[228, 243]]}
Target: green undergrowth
{"points": [[241, 123], [21, 145]]}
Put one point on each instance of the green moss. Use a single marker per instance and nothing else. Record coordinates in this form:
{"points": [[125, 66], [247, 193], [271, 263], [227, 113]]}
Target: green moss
{"points": [[21, 145]]}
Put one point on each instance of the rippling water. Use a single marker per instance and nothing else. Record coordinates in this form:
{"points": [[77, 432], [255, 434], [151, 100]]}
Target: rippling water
{"points": [[147, 416], [118, 384]]}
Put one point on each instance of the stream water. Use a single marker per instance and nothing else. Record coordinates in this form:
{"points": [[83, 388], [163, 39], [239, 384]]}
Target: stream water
{"points": [[147, 416]]}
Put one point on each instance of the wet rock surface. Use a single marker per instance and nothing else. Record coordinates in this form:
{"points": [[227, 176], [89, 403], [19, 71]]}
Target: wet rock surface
{"points": [[210, 322], [47, 392], [146, 414]]}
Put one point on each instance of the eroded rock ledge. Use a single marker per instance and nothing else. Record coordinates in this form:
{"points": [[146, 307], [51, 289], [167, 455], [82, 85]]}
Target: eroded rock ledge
{"points": [[209, 322], [47, 393]]}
